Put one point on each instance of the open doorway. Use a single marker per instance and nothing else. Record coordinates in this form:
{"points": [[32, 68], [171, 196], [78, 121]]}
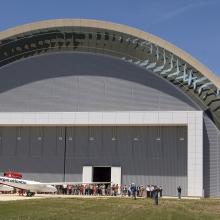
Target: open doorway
{"points": [[101, 174]]}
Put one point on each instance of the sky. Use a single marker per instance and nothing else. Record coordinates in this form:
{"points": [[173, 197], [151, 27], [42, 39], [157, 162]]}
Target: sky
{"points": [[192, 25]]}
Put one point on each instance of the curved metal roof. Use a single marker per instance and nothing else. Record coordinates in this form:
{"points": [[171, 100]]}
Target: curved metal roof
{"points": [[114, 27], [132, 45]]}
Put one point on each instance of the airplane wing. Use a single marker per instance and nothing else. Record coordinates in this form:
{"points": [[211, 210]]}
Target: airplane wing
{"points": [[38, 187], [4, 188]]}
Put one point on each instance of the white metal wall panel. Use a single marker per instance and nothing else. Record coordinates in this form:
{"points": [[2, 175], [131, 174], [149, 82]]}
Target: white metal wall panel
{"points": [[116, 175], [87, 174]]}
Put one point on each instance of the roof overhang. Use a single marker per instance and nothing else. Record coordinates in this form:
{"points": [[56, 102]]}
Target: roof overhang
{"points": [[114, 27]]}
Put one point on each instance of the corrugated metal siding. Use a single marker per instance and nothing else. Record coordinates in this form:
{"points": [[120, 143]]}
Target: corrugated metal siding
{"points": [[211, 159], [35, 151], [147, 155], [84, 82]]}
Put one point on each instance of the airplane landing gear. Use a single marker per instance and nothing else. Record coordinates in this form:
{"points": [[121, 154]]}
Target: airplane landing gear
{"points": [[30, 194]]}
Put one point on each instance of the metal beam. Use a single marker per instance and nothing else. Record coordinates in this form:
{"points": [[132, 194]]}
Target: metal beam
{"points": [[151, 65], [169, 69], [135, 41], [151, 48], [137, 62], [191, 77], [176, 73], [145, 43], [159, 68], [144, 63], [157, 53], [197, 81], [204, 86], [128, 40]]}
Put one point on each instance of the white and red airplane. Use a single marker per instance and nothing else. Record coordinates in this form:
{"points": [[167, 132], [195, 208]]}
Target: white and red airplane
{"points": [[33, 187]]}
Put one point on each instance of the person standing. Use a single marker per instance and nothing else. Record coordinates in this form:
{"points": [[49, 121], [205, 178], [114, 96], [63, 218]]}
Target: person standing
{"points": [[151, 191], [155, 195], [124, 190], [116, 189], [64, 189], [161, 190], [179, 190], [133, 190], [129, 190], [141, 191], [103, 190], [148, 191]]}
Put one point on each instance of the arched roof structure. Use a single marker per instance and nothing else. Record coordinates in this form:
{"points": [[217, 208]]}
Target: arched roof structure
{"points": [[130, 44]]}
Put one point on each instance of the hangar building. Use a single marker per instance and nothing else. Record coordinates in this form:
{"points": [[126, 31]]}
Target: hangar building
{"points": [[87, 100]]}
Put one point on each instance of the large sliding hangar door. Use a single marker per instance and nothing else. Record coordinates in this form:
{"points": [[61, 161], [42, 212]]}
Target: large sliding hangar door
{"points": [[147, 155], [160, 148]]}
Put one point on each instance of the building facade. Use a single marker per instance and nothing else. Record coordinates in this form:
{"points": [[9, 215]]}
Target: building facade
{"points": [[83, 98]]}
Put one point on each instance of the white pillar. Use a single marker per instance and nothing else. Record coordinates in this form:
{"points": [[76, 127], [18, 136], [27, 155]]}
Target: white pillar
{"points": [[87, 174], [195, 154], [116, 175]]}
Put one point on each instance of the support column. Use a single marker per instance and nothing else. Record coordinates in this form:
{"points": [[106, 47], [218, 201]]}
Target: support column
{"points": [[195, 154]]}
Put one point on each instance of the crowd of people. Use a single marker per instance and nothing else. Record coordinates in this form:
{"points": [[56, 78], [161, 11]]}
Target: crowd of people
{"points": [[131, 190], [110, 190], [89, 189]]}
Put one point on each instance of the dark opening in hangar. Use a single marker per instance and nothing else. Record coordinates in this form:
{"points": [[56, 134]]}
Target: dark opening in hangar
{"points": [[101, 174]]}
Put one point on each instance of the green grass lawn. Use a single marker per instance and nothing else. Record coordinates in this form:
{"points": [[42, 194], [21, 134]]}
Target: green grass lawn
{"points": [[110, 208]]}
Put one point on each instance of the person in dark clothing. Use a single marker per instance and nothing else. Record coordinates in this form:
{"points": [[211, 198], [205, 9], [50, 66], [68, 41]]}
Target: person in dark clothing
{"points": [[155, 195], [133, 190], [179, 192], [160, 190], [148, 191]]}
